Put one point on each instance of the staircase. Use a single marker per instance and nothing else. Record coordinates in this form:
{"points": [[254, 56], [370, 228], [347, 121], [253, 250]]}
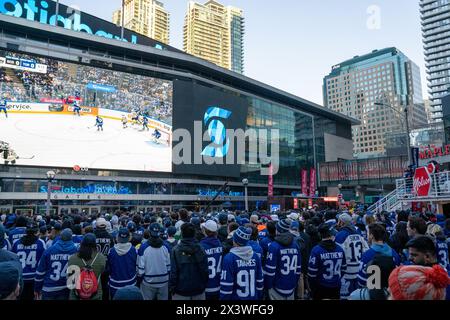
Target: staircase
{"points": [[389, 203]]}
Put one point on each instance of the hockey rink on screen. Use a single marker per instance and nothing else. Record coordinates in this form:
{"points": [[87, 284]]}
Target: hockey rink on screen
{"points": [[68, 140]]}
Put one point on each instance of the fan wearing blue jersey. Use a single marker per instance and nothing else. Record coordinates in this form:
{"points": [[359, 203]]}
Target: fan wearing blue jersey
{"points": [[378, 247], [99, 123], [253, 242], [121, 263], [242, 276], [51, 274], [19, 230], [154, 266], [327, 266], [283, 264], [3, 104], [29, 249], [265, 242], [214, 251], [354, 245]]}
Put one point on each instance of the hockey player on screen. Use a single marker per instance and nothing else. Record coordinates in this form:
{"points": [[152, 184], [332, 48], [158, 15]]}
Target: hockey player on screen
{"points": [[99, 123], [76, 108], [124, 122], [145, 123], [3, 104]]}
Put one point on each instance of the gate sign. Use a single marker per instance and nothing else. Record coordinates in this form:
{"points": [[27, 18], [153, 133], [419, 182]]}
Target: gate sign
{"points": [[422, 182]]}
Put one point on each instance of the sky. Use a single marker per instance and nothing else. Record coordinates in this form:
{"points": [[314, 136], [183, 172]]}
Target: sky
{"points": [[292, 44]]}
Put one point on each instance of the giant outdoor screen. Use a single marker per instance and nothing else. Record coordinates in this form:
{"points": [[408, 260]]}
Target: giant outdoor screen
{"points": [[43, 128]]}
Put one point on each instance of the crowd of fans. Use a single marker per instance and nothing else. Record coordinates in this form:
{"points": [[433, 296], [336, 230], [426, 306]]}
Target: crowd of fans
{"points": [[311, 254], [151, 96]]}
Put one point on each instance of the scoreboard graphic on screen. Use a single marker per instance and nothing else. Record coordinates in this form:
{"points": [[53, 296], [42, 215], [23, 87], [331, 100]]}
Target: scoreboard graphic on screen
{"points": [[22, 64]]}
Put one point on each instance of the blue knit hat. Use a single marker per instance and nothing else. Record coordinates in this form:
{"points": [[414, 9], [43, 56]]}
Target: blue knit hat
{"points": [[283, 226], [242, 235], [128, 293]]}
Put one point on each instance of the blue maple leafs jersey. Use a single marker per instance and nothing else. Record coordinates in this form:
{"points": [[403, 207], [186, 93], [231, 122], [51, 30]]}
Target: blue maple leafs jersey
{"points": [[354, 245], [51, 274], [29, 257], [213, 249], [122, 268], [442, 254], [16, 233], [242, 277], [327, 267]]}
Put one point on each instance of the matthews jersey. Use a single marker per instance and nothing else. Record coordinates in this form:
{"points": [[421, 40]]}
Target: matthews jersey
{"points": [[283, 266], [51, 274], [442, 254], [327, 265], [242, 276], [29, 256], [213, 249], [354, 245]]}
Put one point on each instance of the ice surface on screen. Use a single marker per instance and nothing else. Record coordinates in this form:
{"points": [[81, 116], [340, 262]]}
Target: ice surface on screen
{"points": [[52, 109]]}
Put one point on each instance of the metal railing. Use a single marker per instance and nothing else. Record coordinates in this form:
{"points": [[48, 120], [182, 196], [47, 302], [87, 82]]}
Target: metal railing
{"points": [[389, 203]]}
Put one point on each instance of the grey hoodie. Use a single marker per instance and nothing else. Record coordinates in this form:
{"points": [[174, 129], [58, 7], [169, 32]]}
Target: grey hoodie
{"points": [[122, 248], [245, 253]]}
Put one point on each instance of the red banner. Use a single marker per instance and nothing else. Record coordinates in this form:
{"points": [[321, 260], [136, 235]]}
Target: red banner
{"points": [[312, 182], [270, 191], [305, 182]]}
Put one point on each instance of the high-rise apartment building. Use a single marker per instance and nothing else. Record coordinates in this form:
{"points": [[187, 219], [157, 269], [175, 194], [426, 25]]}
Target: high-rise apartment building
{"points": [[215, 32], [435, 15], [146, 17], [376, 88]]}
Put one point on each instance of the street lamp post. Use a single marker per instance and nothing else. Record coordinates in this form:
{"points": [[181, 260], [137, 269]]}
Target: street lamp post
{"points": [[50, 176], [408, 141], [245, 183]]}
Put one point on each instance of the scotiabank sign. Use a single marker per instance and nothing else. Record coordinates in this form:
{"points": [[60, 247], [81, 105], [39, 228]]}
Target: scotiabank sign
{"points": [[434, 152], [422, 182], [44, 11]]}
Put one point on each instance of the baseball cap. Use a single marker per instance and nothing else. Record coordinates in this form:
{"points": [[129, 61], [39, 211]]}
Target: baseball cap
{"points": [[171, 231], [254, 218], [89, 240], [66, 235], [155, 230], [274, 217], [210, 225], [123, 235], [231, 218], [345, 218], [57, 226], [293, 216], [101, 223]]}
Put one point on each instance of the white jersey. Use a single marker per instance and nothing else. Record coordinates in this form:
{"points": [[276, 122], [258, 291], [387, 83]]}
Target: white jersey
{"points": [[354, 245]]}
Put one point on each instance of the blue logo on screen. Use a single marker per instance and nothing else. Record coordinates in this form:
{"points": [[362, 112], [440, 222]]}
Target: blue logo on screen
{"points": [[219, 146]]}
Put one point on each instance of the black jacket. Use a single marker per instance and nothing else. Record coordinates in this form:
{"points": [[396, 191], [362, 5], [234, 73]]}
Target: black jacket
{"points": [[104, 240], [189, 268]]}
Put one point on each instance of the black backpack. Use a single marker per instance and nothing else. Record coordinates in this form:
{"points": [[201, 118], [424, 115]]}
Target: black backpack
{"points": [[386, 265]]}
